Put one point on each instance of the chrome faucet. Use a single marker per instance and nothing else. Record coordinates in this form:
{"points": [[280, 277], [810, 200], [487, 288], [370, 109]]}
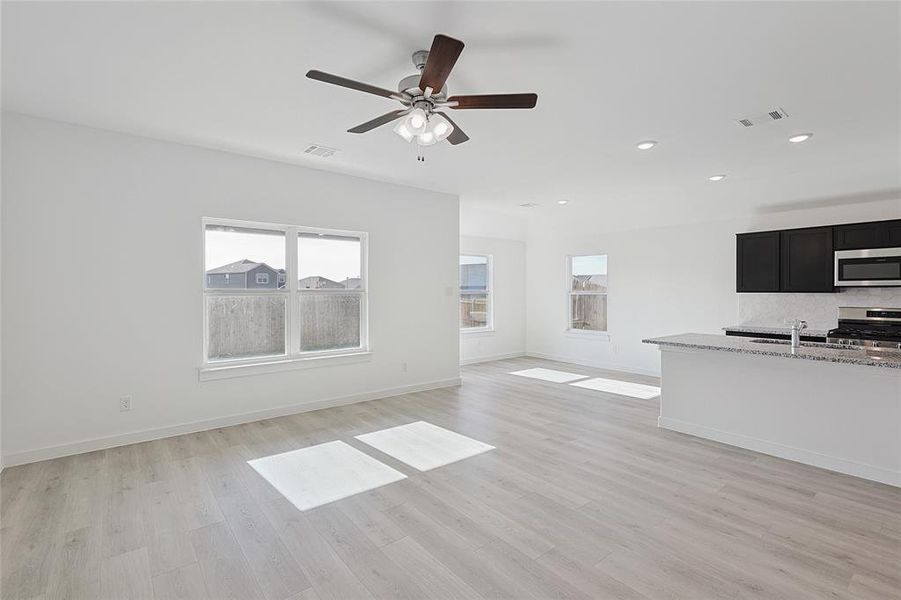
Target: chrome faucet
{"points": [[797, 328]]}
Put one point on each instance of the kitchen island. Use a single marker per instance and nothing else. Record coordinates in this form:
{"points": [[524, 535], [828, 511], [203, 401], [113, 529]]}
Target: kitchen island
{"points": [[835, 408]]}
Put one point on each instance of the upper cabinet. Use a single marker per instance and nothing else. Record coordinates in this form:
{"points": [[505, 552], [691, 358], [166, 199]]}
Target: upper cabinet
{"points": [[807, 260], [757, 262], [857, 236], [803, 260]]}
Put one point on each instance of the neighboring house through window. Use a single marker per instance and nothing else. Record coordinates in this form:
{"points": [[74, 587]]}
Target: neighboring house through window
{"points": [[587, 293], [257, 304], [475, 293]]}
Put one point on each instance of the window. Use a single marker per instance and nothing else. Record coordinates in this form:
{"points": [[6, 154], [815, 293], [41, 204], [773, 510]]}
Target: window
{"points": [[330, 291], [475, 293], [587, 293], [279, 291]]}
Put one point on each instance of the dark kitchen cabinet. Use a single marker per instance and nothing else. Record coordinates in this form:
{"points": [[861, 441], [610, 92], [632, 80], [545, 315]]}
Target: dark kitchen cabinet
{"points": [[803, 260], [807, 261], [857, 236], [893, 234], [757, 262]]}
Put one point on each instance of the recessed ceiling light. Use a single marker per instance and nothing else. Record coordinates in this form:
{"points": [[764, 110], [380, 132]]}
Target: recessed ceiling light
{"points": [[716, 177], [646, 145], [801, 137], [562, 202]]}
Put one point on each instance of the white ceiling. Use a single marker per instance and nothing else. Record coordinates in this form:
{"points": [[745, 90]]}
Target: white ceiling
{"points": [[231, 76]]}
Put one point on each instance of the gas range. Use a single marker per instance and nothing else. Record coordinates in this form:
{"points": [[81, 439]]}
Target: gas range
{"points": [[867, 327]]}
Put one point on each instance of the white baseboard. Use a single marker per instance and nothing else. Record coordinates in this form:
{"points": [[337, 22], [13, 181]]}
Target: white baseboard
{"points": [[806, 457], [492, 357], [594, 364], [146, 435]]}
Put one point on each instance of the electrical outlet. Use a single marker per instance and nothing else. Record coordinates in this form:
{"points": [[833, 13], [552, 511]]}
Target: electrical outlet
{"points": [[403, 367], [124, 403]]}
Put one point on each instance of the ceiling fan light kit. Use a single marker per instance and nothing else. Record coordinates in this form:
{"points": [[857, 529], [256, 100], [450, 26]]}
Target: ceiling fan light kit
{"points": [[403, 131], [433, 129], [417, 120], [440, 126], [422, 94]]}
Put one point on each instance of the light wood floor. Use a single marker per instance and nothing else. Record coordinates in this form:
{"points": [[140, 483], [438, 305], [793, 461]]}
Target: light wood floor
{"points": [[584, 497]]}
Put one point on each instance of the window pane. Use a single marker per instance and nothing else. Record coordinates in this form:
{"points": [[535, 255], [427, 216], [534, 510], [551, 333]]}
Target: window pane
{"points": [[589, 312], [589, 273], [473, 310], [473, 273], [328, 262], [329, 321], [240, 258], [245, 326]]}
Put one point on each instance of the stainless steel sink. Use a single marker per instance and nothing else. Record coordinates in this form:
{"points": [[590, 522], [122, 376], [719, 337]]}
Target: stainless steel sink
{"points": [[805, 344]]}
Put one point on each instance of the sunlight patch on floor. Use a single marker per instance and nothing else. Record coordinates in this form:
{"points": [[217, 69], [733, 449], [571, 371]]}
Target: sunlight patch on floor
{"points": [[549, 375], [622, 388], [317, 475], [424, 446]]}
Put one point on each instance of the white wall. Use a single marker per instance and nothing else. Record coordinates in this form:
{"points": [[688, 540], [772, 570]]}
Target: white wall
{"points": [[508, 338], [1, 314], [101, 233], [478, 221], [651, 291], [661, 281]]}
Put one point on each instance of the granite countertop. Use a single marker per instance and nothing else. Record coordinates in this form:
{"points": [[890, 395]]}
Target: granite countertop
{"points": [[890, 359], [776, 329]]}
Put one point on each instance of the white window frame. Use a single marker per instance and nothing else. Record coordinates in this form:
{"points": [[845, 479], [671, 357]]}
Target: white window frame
{"points": [[293, 356], [489, 321], [257, 277], [605, 335]]}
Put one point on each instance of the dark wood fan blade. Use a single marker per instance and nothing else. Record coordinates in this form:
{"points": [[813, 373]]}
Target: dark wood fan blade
{"points": [[379, 121], [457, 136], [493, 101], [354, 85], [442, 57]]}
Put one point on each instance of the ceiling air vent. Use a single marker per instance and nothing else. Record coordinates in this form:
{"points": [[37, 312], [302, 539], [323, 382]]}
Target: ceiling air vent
{"points": [[320, 151], [529, 205], [777, 114]]}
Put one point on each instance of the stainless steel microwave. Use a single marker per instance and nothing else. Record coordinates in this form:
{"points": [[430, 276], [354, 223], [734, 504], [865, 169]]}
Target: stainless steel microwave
{"points": [[871, 268]]}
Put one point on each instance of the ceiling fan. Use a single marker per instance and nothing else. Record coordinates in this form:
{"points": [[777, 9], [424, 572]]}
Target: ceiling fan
{"points": [[423, 95]]}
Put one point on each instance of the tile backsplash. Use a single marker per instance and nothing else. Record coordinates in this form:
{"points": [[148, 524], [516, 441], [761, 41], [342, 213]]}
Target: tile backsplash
{"points": [[819, 310]]}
